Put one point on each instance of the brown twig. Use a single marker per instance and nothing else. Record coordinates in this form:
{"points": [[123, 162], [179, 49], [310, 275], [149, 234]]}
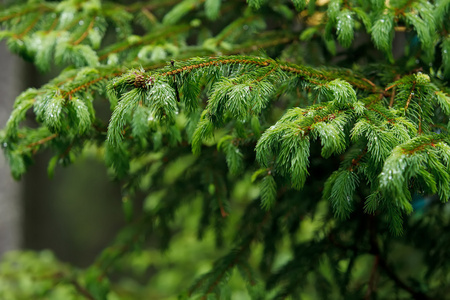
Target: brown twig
{"points": [[62, 277], [245, 246], [43, 141], [369, 82], [85, 33], [41, 8], [391, 103], [82, 290], [382, 262], [19, 36], [356, 161], [373, 277], [410, 95]]}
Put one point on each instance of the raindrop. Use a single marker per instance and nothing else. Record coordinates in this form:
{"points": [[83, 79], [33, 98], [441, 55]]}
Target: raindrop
{"points": [[81, 22], [5, 145], [245, 27]]}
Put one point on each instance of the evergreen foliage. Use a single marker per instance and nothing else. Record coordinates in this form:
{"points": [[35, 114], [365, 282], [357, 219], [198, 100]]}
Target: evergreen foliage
{"points": [[302, 107]]}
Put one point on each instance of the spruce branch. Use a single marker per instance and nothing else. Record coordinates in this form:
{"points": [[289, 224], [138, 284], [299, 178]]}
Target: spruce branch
{"points": [[305, 73], [204, 92], [327, 121]]}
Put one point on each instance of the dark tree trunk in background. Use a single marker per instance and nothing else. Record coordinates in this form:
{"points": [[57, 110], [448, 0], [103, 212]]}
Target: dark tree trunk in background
{"points": [[10, 205]]}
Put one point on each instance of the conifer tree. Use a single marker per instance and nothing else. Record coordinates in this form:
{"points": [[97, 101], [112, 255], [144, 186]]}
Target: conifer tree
{"points": [[315, 152]]}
